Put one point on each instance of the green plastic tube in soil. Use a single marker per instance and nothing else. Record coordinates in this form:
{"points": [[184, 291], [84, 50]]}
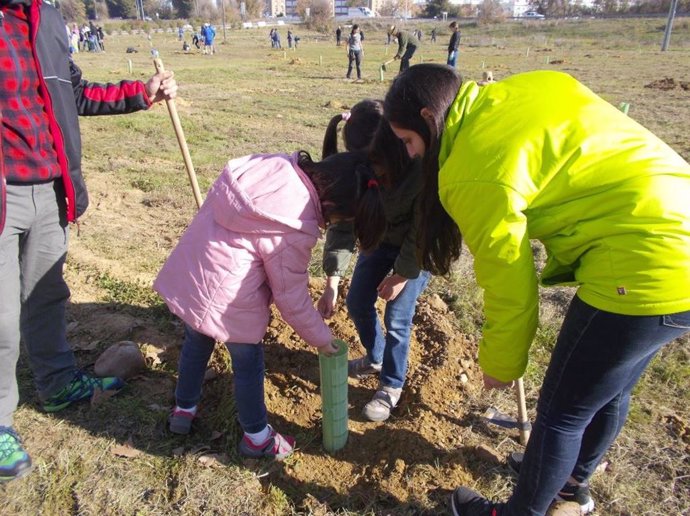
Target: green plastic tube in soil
{"points": [[333, 372]]}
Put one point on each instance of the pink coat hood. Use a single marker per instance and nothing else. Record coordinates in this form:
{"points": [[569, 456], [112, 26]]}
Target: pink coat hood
{"points": [[249, 245]]}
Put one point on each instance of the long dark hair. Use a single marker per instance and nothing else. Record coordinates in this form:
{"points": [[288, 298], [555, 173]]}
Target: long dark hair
{"points": [[348, 188], [361, 123], [433, 87]]}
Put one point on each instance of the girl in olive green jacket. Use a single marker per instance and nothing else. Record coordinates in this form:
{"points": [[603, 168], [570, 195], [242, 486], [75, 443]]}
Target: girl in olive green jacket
{"points": [[539, 156]]}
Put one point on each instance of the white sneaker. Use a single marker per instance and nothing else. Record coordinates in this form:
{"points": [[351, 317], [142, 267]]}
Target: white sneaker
{"points": [[380, 406]]}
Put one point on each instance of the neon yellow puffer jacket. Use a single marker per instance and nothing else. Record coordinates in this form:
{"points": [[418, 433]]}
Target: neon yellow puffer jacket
{"points": [[539, 156]]}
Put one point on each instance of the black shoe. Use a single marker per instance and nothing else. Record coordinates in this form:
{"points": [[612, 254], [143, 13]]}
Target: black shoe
{"points": [[466, 502], [515, 461], [579, 494], [569, 493]]}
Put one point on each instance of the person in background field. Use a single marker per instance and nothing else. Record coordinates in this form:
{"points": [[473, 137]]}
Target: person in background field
{"points": [[289, 38], [355, 51], [250, 245], [407, 45], [208, 32], [453, 44], [338, 36], [539, 156], [389, 269], [42, 94], [433, 35]]}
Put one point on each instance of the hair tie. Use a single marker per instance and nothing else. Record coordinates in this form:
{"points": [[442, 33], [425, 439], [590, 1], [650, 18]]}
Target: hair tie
{"points": [[346, 116], [373, 183]]}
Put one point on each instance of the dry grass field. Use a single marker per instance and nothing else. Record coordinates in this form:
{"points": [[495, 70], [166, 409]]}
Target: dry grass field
{"points": [[116, 457]]}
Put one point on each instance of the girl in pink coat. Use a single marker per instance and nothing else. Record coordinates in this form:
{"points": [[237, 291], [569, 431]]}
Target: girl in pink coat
{"points": [[250, 245]]}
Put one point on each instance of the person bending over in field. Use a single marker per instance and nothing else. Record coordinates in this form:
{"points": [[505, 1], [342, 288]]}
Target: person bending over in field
{"points": [[389, 269], [540, 156], [250, 245]]}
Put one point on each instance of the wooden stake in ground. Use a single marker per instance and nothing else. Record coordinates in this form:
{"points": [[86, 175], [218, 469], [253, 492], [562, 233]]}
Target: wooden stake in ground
{"points": [[172, 109]]}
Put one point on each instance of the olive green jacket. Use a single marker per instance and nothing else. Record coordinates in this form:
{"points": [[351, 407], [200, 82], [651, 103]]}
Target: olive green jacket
{"points": [[401, 230]]}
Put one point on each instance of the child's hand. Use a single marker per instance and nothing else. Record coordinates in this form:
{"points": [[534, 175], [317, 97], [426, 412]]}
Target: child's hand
{"points": [[329, 299], [391, 286], [330, 349]]}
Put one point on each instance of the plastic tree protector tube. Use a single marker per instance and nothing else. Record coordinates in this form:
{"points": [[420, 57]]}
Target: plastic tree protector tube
{"points": [[333, 372]]}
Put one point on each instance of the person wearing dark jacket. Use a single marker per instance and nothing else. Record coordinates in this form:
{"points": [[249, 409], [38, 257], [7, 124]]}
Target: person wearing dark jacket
{"points": [[386, 268], [453, 44], [42, 93], [407, 46]]}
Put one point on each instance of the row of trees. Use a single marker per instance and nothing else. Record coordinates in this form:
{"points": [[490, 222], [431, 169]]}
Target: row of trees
{"points": [[552, 8], [321, 10]]}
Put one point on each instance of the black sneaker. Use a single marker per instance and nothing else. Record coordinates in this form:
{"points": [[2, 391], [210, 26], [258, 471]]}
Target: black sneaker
{"points": [[466, 502], [569, 493]]}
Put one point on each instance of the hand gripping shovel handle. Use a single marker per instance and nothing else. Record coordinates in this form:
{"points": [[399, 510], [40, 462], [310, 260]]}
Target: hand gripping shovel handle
{"points": [[522, 423], [172, 109]]}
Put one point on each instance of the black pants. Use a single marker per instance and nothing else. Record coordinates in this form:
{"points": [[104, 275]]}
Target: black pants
{"points": [[405, 59], [355, 56]]}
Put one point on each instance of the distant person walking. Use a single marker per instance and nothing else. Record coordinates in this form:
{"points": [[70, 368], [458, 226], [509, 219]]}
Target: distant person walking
{"points": [[289, 38], [276, 39], [407, 45], [209, 35], [355, 51], [453, 44], [433, 35], [338, 36]]}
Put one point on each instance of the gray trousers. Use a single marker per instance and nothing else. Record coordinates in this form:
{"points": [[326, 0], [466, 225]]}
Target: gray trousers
{"points": [[33, 248]]}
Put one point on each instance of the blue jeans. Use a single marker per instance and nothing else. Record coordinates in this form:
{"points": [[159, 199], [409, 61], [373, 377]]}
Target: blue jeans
{"points": [[583, 404], [393, 350], [452, 58], [248, 377]]}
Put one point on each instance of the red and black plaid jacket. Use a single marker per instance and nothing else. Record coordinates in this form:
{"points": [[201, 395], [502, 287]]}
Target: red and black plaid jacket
{"points": [[66, 96]]}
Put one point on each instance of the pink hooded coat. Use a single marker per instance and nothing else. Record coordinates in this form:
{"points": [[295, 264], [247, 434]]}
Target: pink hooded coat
{"points": [[249, 245]]}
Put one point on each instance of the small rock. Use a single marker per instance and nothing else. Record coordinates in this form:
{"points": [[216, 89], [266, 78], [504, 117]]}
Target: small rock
{"points": [[564, 509], [487, 453], [437, 303], [123, 359], [399, 466]]}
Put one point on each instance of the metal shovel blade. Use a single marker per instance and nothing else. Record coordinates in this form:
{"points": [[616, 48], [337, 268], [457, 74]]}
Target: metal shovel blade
{"points": [[496, 417]]}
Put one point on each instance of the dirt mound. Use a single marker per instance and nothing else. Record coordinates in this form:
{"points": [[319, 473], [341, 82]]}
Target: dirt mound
{"points": [[668, 83], [388, 464]]}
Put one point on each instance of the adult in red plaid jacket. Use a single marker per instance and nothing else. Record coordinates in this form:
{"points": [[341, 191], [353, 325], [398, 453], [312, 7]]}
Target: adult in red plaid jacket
{"points": [[42, 93]]}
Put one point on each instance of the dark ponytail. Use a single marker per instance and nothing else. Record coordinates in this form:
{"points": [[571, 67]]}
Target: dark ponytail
{"points": [[360, 124], [348, 188], [433, 87], [370, 216], [330, 139]]}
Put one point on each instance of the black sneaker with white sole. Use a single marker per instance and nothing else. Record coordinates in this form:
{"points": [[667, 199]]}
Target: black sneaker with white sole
{"points": [[568, 493]]}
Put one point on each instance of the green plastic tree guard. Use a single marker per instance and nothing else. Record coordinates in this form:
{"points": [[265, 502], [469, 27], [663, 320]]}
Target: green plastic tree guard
{"points": [[333, 371]]}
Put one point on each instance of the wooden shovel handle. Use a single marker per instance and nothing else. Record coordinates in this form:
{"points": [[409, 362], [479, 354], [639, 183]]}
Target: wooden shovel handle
{"points": [[522, 412], [172, 110]]}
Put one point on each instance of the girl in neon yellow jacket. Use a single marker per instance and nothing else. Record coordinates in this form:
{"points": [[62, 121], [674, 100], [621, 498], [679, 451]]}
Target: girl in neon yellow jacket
{"points": [[540, 156]]}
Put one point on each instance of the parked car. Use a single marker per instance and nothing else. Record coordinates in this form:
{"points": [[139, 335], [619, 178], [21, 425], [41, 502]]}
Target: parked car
{"points": [[533, 15]]}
